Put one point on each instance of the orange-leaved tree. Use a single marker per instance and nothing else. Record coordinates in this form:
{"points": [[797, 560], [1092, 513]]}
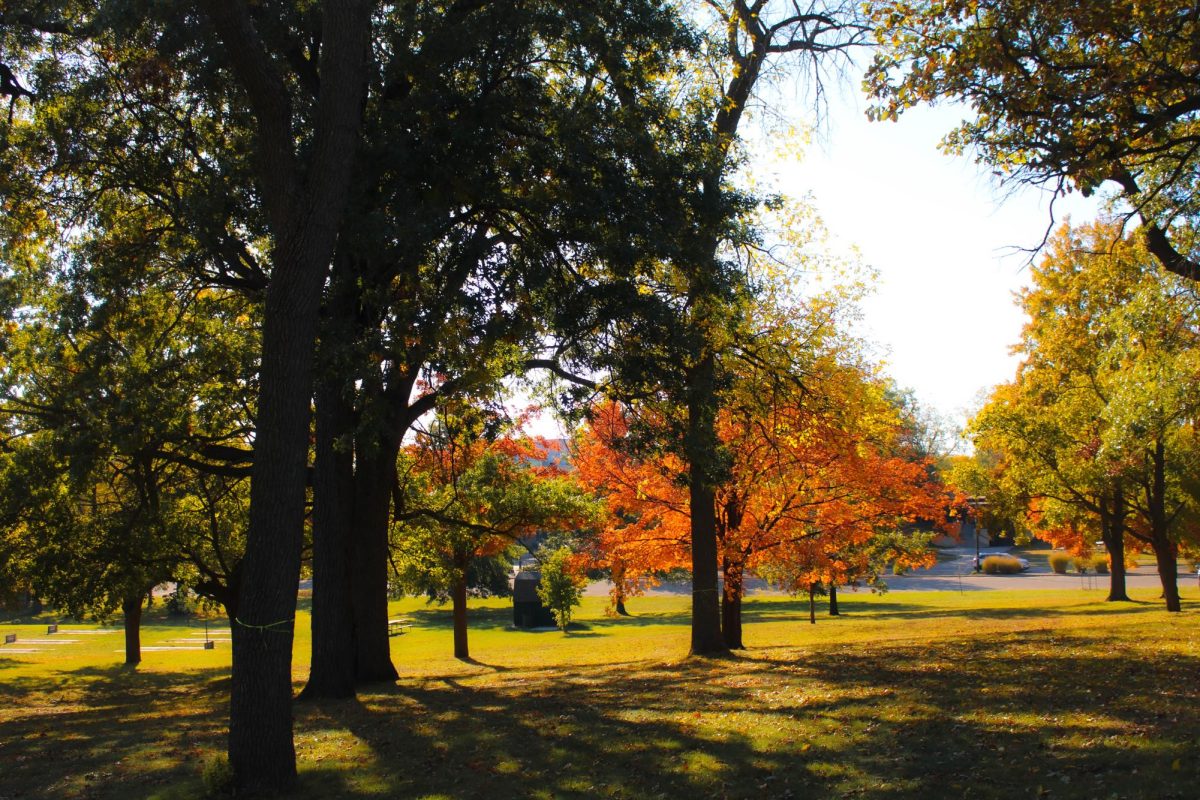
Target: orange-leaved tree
{"points": [[470, 486], [815, 477]]}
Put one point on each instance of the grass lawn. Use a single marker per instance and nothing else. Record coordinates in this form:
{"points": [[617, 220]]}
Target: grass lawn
{"points": [[909, 695]]}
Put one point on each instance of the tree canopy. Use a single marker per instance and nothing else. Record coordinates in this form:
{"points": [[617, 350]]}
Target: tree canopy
{"points": [[1069, 95]]}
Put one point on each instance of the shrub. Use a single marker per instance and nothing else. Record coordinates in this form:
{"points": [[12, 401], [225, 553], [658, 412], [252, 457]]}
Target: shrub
{"points": [[217, 776], [1059, 562], [1081, 563], [1100, 564], [560, 588], [1001, 565]]}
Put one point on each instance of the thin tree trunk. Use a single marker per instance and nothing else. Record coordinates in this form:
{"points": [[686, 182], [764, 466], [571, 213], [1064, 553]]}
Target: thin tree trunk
{"points": [[1167, 562], [702, 447], [833, 603], [459, 600], [1115, 544], [618, 593], [131, 607], [1165, 554], [333, 641], [731, 605], [1112, 532], [374, 476], [812, 604]]}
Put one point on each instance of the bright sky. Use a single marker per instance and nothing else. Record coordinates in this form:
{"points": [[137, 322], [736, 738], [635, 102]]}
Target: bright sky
{"points": [[943, 237]]}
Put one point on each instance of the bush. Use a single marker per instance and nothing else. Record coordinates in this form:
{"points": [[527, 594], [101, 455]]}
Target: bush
{"points": [[217, 776], [179, 602], [1100, 564], [560, 588], [1059, 562], [1001, 565], [1081, 563]]}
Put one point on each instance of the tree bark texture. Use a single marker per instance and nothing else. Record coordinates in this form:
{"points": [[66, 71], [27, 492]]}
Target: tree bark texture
{"points": [[260, 731], [1165, 555], [618, 592], [131, 607], [702, 447], [459, 600], [374, 476], [1112, 533], [333, 637], [731, 604]]}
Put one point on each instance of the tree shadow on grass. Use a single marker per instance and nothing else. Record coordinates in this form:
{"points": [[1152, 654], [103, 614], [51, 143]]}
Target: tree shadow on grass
{"points": [[636, 619], [991, 719], [109, 731], [477, 663], [1052, 714]]}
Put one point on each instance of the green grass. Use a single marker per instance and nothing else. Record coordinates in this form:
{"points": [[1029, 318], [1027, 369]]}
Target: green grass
{"points": [[908, 695]]}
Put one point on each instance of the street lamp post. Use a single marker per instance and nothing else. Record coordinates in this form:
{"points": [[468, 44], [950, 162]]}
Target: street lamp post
{"points": [[975, 504]]}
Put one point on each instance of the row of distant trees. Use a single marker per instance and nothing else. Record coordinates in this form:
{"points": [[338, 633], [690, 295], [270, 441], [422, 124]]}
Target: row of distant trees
{"points": [[1093, 445], [1094, 440], [248, 247]]}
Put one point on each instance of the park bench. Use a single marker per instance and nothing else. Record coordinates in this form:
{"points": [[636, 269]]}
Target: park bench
{"points": [[398, 626]]}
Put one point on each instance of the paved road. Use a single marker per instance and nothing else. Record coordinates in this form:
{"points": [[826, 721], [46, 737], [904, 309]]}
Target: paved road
{"points": [[953, 573]]}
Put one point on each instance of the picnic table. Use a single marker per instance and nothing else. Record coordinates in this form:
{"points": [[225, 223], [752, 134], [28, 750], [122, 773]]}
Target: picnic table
{"points": [[398, 625]]}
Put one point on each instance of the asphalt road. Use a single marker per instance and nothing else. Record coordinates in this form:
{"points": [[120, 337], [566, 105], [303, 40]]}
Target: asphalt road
{"points": [[953, 573]]}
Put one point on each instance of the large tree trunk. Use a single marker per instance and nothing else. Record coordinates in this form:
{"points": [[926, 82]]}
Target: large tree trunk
{"points": [[459, 599], [702, 449], [304, 199], [131, 607], [731, 604], [333, 641], [374, 476], [833, 603], [261, 751]]}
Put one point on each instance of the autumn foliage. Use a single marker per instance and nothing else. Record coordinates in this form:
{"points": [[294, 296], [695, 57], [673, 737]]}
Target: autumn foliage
{"points": [[469, 487], [812, 483]]}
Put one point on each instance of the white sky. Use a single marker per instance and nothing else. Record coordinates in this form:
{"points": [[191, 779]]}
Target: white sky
{"points": [[941, 235]]}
